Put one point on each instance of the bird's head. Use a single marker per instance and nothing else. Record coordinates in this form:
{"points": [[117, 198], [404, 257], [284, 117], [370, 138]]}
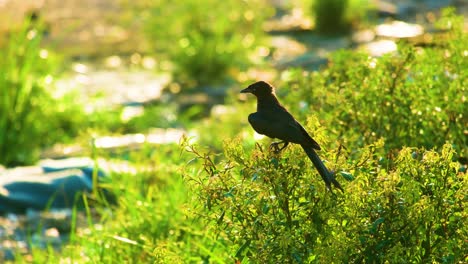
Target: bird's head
{"points": [[259, 89]]}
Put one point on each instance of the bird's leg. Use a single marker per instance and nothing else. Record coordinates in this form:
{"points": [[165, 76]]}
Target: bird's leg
{"points": [[275, 146]]}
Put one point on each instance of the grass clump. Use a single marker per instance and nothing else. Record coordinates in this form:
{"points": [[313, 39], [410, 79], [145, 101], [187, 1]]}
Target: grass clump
{"points": [[30, 117], [149, 223]]}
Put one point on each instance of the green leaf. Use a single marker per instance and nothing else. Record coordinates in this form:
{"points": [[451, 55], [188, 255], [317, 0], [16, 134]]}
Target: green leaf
{"points": [[348, 176], [242, 248]]}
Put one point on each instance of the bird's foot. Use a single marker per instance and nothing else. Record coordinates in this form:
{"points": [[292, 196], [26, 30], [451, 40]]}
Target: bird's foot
{"points": [[332, 180], [275, 146]]}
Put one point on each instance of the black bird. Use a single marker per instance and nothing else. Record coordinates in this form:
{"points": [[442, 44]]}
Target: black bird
{"points": [[274, 121]]}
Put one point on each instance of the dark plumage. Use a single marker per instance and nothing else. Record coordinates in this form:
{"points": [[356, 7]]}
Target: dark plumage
{"points": [[274, 121]]}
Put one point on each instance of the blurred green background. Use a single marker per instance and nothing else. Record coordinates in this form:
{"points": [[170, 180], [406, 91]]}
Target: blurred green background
{"points": [[381, 85]]}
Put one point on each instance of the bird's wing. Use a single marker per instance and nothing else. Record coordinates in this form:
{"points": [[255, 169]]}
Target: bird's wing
{"points": [[304, 137], [309, 139], [276, 126], [276, 122]]}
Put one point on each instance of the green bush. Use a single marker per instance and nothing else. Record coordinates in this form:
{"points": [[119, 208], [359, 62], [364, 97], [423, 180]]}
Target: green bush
{"points": [[330, 16], [206, 40], [413, 98], [276, 209], [334, 17]]}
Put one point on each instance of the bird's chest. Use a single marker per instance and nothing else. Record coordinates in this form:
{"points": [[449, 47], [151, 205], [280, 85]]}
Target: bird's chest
{"points": [[265, 124]]}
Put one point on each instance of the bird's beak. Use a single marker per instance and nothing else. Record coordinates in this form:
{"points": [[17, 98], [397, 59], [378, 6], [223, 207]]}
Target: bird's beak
{"points": [[246, 90]]}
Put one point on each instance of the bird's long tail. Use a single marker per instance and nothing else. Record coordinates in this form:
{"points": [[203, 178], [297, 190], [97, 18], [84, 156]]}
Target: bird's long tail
{"points": [[326, 175]]}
